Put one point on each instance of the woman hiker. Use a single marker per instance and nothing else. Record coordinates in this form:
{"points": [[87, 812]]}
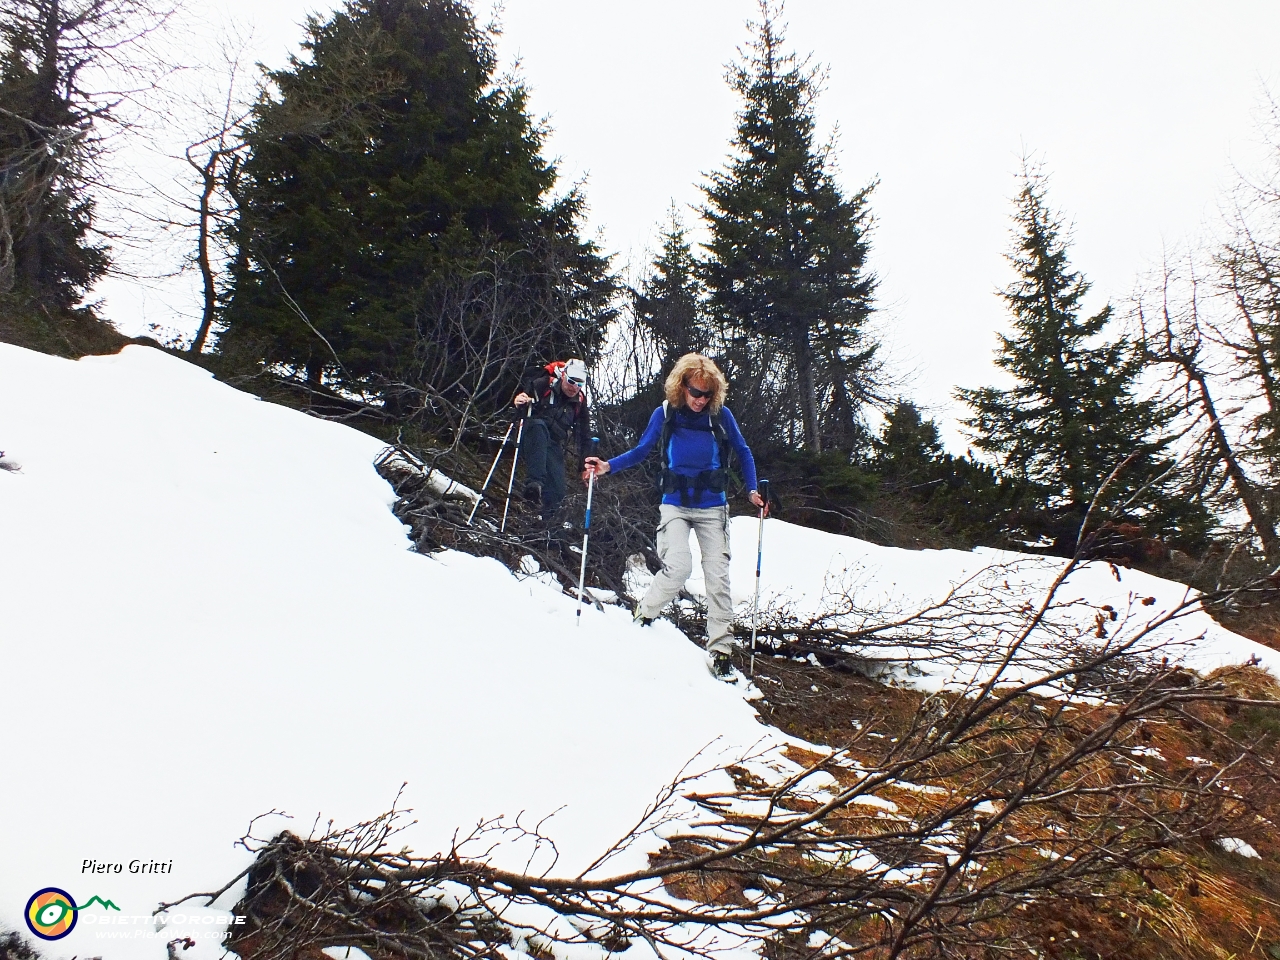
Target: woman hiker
{"points": [[694, 429]]}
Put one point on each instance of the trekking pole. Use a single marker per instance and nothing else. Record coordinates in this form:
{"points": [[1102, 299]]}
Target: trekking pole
{"points": [[763, 490], [510, 427], [514, 461], [586, 531]]}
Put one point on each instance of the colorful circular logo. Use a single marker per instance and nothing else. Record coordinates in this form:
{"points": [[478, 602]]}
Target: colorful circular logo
{"points": [[51, 913]]}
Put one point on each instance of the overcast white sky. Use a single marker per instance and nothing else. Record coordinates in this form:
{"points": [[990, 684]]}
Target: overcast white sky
{"points": [[1138, 111]]}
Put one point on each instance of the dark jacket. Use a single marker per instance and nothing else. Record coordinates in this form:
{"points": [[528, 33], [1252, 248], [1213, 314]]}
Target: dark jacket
{"points": [[561, 414]]}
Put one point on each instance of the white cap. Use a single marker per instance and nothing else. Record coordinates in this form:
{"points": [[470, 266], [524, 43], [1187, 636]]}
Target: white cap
{"points": [[576, 371]]}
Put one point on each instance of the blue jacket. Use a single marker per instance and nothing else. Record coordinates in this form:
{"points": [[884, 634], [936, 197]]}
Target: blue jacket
{"points": [[693, 448]]}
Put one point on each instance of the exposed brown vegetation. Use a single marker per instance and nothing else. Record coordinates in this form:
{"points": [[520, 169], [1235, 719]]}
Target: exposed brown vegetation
{"points": [[961, 824], [1193, 901]]}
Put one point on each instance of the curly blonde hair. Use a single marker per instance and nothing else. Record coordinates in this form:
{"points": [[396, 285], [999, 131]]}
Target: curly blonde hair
{"points": [[694, 366]]}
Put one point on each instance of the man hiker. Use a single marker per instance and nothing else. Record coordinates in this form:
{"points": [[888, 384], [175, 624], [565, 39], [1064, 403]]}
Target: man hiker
{"points": [[557, 393], [695, 431]]}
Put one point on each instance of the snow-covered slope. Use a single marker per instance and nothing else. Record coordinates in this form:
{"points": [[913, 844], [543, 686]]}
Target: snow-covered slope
{"points": [[209, 612], [807, 571]]}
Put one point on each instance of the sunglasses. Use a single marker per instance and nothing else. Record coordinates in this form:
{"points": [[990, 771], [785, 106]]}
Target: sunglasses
{"points": [[696, 393]]}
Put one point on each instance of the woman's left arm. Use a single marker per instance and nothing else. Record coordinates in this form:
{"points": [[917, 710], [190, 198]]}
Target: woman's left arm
{"points": [[739, 444]]}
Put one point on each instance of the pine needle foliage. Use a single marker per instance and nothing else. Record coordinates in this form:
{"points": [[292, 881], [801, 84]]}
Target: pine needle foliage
{"points": [[959, 497], [671, 300], [1075, 413], [787, 257], [50, 254], [393, 181]]}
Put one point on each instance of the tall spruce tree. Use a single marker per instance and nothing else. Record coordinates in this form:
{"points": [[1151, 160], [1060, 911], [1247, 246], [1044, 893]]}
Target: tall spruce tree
{"points": [[392, 182], [48, 141], [1074, 414], [787, 266]]}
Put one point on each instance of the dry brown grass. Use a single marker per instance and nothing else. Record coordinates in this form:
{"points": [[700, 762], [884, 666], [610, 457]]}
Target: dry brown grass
{"points": [[1199, 903]]}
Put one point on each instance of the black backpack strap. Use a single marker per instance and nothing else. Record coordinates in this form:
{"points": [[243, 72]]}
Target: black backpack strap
{"points": [[669, 481], [664, 439], [725, 448], [720, 433]]}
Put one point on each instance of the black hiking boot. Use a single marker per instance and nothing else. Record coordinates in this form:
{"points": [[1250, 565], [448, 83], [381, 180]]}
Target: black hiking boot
{"points": [[533, 492], [722, 667]]}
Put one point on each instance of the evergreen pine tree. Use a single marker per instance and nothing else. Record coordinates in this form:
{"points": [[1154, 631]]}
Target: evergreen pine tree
{"points": [[47, 141], [1074, 414], [669, 310], [389, 178], [670, 303], [787, 270], [922, 482], [908, 447]]}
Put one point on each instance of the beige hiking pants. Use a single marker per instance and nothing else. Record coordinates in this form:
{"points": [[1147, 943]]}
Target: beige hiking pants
{"points": [[711, 526]]}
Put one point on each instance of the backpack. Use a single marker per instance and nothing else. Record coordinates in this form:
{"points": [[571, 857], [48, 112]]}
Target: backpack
{"points": [[714, 480], [555, 369]]}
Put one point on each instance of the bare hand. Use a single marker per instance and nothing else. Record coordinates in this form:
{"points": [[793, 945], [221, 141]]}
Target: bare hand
{"points": [[594, 465], [521, 399], [754, 497]]}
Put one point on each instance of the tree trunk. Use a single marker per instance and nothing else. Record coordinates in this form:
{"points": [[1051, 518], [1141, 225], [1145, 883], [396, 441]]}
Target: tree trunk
{"points": [[209, 175], [1263, 522], [808, 391], [45, 115]]}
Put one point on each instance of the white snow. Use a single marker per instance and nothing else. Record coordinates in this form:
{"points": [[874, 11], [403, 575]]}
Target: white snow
{"points": [[209, 612], [805, 570], [1236, 845], [345, 953]]}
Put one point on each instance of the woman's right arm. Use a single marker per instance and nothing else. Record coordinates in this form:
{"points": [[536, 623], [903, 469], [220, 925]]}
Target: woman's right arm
{"points": [[531, 387], [648, 440]]}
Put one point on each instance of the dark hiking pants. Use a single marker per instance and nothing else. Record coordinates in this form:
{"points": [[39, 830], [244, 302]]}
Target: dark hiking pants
{"points": [[544, 464]]}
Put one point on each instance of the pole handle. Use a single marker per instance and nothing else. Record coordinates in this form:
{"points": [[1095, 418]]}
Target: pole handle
{"points": [[591, 452], [762, 488]]}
